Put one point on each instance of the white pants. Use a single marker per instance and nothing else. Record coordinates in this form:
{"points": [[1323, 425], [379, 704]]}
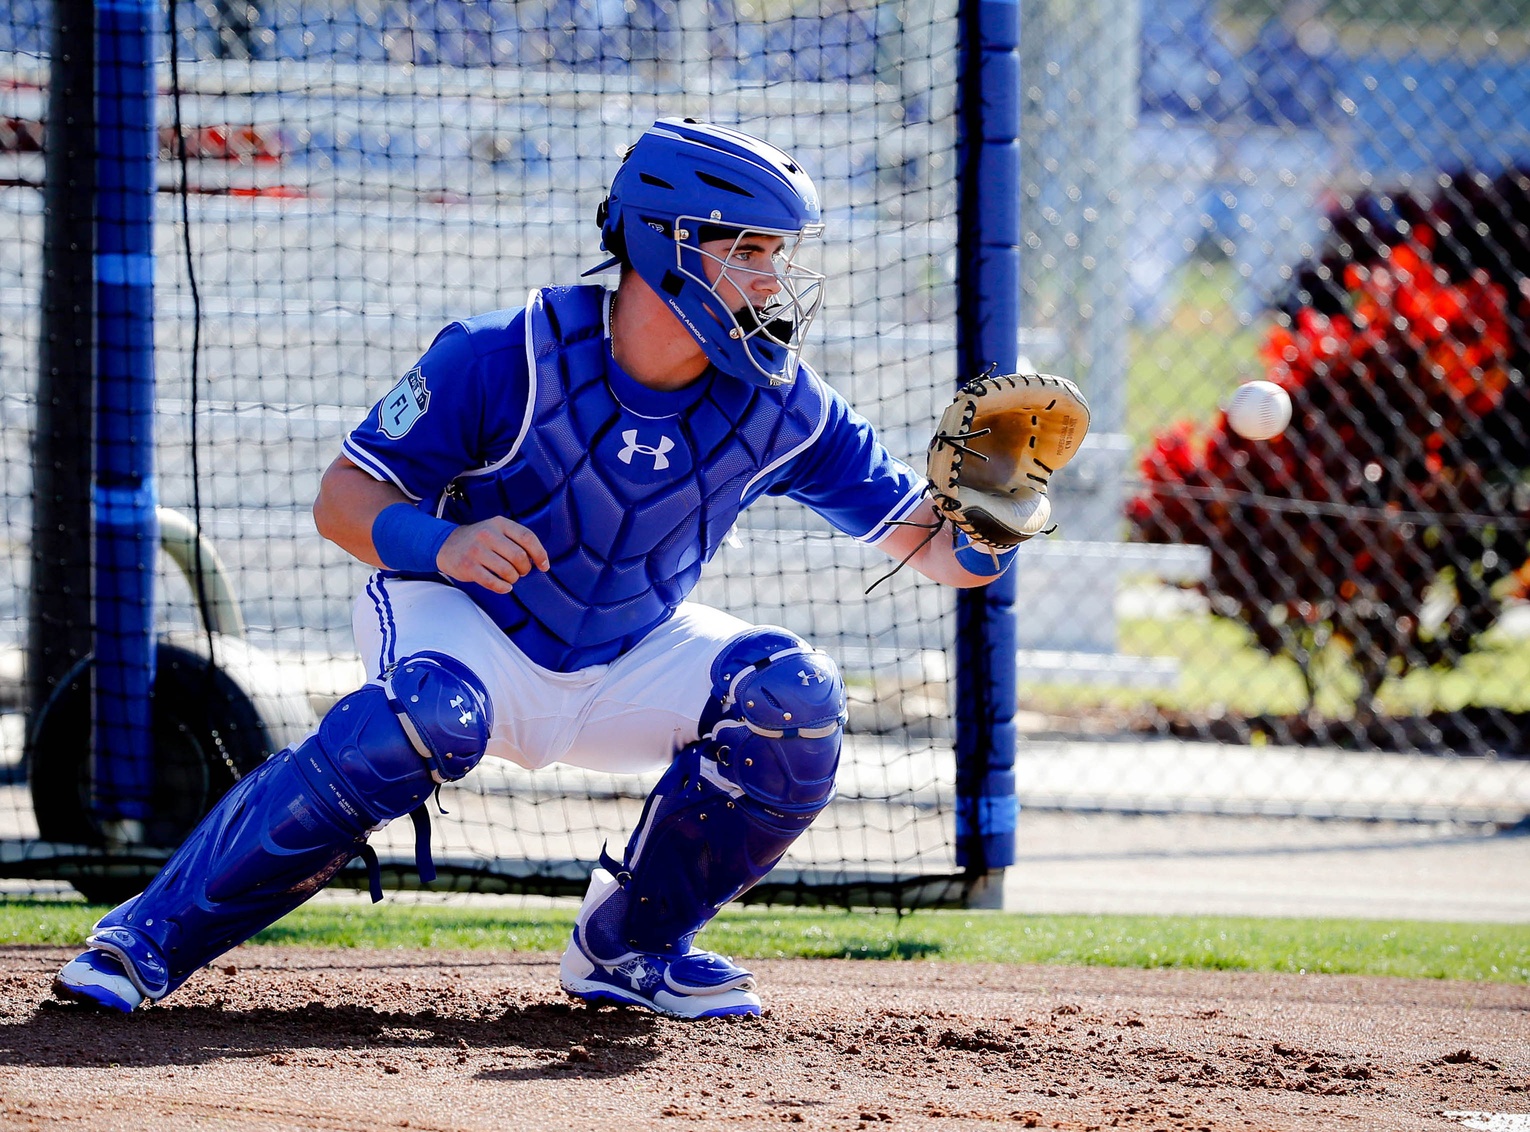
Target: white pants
{"points": [[631, 715]]}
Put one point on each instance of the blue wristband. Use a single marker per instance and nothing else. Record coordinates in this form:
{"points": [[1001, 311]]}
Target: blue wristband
{"points": [[978, 559], [406, 538]]}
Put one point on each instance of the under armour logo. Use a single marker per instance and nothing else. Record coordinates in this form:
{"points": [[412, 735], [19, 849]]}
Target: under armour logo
{"points": [[466, 717], [660, 460], [638, 972], [810, 674]]}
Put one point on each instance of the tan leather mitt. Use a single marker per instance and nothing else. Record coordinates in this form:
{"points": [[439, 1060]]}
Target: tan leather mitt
{"points": [[995, 450]]}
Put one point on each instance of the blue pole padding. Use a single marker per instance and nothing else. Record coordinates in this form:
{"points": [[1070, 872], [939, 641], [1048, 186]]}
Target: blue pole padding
{"points": [[986, 702], [123, 779], [988, 332], [990, 816], [127, 536]]}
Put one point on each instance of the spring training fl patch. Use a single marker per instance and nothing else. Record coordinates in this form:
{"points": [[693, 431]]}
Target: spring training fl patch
{"points": [[405, 403]]}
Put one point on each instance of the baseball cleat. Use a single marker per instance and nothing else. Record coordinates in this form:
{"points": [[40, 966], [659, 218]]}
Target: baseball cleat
{"points": [[700, 984], [97, 979]]}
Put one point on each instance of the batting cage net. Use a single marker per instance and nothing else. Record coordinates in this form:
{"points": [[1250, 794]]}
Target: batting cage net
{"points": [[1332, 198]]}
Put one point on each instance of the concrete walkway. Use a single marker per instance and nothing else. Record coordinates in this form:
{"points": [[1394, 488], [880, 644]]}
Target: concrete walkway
{"points": [[1203, 865]]}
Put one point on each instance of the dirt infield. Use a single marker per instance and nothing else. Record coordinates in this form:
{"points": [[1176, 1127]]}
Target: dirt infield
{"points": [[358, 1040]]}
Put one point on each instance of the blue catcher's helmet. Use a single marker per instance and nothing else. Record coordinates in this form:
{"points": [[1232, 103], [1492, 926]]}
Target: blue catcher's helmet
{"points": [[685, 183]]}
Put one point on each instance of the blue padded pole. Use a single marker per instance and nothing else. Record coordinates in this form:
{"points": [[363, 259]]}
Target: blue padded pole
{"points": [[126, 531], [988, 331]]}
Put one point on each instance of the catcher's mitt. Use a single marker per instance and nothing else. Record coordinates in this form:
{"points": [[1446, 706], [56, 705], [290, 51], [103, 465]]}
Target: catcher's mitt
{"points": [[996, 447]]}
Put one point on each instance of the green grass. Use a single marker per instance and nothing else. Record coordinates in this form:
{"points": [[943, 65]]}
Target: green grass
{"points": [[1221, 669], [1482, 952]]}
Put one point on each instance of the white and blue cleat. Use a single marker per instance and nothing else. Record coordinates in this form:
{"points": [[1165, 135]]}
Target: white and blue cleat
{"points": [[98, 979], [699, 984]]}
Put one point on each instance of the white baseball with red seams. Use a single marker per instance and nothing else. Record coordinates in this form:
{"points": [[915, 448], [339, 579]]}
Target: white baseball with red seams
{"points": [[1259, 410]]}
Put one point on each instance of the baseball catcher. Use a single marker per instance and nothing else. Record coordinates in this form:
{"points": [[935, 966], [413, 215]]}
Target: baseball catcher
{"points": [[538, 495]]}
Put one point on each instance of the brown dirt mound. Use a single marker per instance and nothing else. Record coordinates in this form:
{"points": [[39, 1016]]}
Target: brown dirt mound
{"points": [[286, 1038]]}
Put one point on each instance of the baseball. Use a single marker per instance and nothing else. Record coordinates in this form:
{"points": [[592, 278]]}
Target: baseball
{"points": [[1259, 410]]}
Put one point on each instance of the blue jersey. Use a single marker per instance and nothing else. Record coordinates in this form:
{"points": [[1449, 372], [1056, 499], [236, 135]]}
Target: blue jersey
{"points": [[631, 490]]}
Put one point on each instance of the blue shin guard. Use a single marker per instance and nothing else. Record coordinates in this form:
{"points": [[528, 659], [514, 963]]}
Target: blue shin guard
{"points": [[284, 830], [731, 804]]}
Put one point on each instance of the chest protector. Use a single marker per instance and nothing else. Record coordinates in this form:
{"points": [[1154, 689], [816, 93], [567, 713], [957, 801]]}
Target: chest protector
{"points": [[629, 506]]}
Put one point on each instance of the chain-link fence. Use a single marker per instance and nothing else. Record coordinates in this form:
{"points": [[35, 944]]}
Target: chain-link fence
{"points": [[1333, 197]]}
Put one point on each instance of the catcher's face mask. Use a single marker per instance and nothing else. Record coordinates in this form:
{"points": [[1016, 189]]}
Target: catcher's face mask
{"points": [[758, 287]]}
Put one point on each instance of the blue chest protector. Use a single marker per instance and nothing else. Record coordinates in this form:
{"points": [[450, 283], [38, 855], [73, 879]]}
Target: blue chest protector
{"points": [[629, 506]]}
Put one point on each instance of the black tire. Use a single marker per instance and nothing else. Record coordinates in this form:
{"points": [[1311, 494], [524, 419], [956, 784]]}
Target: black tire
{"points": [[209, 731]]}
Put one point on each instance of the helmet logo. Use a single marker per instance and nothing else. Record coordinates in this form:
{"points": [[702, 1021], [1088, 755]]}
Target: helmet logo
{"points": [[685, 318]]}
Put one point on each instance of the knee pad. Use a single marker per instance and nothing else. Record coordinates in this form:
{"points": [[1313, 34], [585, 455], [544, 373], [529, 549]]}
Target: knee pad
{"points": [[286, 829], [442, 710], [775, 720], [730, 805]]}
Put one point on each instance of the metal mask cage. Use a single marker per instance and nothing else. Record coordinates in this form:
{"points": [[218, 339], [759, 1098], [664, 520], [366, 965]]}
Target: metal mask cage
{"points": [[785, 318]]}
